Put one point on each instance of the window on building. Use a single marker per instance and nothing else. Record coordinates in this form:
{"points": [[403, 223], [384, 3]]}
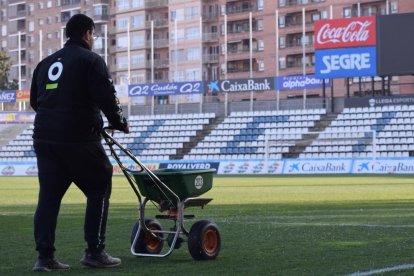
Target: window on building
{"points": [[394, 7], [282, 21], [223, 9], [122, 42], [100, 10], [31, 40], [260, 45], [192, 74], [260, 25], [347, 12], [282, 3], [282, 63], [193, 54], [122, 62], [137, 3], [177, 55], [122, 23], [122, 4], [31, 9], [192, 12], [137, 40], [261, 65], [177, 14], [48, 36], [49, 4], [4, 30], [138, 78], [192, 33], [138, 21], [138, 60], [260, 4], [282, 42]]}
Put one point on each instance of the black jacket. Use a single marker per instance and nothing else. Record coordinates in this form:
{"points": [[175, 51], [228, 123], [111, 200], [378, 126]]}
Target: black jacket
{"points": [[68, 91]]}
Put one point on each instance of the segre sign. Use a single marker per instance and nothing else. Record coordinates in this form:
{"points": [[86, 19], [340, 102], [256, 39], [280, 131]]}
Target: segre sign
{"points": [[345, 32], [348, 62]]}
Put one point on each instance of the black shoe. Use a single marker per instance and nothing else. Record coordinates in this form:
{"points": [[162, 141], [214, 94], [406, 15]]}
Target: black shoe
{"points": [[47, 265], [99, 260]]}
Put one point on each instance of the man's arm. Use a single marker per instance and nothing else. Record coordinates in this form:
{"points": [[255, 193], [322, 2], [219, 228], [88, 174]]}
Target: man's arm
{"points": [[33, 91], [104, 94]]}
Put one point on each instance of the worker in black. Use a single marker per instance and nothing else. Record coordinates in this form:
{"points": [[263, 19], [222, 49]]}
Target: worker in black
{"points": [[69, 90]]}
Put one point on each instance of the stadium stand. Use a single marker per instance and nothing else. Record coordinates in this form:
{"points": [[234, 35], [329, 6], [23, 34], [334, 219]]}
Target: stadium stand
{"points": [[163, 137], [242, 135], [304, 133], [351, 134]]}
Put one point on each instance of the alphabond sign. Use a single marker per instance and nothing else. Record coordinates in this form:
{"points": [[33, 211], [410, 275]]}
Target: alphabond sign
{"points": [[300, 82], [348, 62], [345, 32]]}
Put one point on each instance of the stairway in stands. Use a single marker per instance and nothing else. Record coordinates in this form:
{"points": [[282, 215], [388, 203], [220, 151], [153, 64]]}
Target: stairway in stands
{"points": [[308, 138]]}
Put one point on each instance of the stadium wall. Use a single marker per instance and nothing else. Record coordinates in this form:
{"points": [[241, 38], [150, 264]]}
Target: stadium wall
{"points": [[273, 167]]}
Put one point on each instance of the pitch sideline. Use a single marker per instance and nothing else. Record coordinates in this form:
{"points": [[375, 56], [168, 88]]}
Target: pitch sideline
{"points": [[383, 270]]}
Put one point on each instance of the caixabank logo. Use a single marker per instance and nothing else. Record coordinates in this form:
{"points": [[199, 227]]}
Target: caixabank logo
{"points": [[8, 171]]}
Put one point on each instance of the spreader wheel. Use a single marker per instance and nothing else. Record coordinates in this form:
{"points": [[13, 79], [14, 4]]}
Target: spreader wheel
{"points": [[204, 242], [146, 242]]}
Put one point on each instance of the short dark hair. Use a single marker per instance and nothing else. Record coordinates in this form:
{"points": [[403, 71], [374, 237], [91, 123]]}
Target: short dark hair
{"points": [[78, 25]]}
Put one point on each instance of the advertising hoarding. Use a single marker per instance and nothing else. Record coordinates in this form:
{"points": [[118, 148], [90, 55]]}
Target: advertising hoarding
{"points": [[241, 85], [300, 82], [8, 96], [345, 32], [164, 89], [345, 62], [395, 44]]}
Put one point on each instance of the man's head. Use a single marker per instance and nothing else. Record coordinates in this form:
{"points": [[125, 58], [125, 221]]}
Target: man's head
{"points": [[81, 26]]}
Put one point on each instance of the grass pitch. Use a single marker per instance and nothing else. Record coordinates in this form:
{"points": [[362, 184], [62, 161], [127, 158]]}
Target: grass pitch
{"points": [[269, 225]]}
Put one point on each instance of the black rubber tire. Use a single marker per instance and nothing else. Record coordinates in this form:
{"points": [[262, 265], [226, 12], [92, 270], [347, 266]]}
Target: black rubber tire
{"points": [[204, 241], [146, 243]]}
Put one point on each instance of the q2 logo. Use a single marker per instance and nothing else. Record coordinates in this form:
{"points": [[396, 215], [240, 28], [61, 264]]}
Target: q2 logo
{"points": [[189, 88], [139, 90]]}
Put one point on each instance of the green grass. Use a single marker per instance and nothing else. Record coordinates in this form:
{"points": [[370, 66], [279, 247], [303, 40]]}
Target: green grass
{"points": [[269, 225]]}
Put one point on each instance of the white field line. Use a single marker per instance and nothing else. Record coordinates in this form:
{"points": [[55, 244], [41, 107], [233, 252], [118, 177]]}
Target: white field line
{"points": [[330, 224], [229, 221], [383, 270]]}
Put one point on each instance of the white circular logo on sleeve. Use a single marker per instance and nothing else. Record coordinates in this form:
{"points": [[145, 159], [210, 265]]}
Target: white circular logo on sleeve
{"points": [[55, 75], [198, 182]]}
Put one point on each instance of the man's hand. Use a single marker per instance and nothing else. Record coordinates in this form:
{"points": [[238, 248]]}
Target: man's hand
{"points": [[126, 128]]}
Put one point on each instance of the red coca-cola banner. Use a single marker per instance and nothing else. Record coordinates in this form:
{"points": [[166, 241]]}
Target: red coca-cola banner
{"points": [[345, 32]]}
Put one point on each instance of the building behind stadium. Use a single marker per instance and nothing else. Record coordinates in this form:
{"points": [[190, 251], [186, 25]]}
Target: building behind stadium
{"points": [[194, 40]]}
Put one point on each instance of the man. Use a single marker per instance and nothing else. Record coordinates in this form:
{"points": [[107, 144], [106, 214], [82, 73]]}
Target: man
{"points": [[69, 90]]}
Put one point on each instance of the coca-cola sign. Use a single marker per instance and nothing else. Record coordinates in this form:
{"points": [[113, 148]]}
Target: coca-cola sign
{"points": [[345, 32]]}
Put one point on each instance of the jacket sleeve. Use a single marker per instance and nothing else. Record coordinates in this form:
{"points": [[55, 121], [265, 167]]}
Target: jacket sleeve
{"points": [[33, 91], [104, 95]]}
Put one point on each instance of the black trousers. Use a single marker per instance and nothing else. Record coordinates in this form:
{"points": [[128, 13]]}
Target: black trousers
{"points": [[59, 165]]}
